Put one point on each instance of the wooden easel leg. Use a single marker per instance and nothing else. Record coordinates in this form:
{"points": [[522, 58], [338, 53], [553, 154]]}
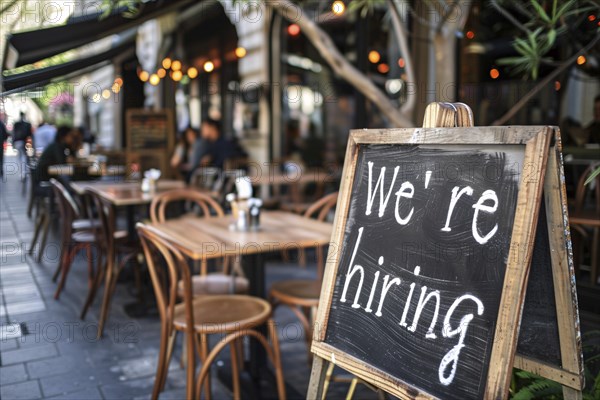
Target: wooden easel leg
{"points": [[317, 378], [571, 394]]}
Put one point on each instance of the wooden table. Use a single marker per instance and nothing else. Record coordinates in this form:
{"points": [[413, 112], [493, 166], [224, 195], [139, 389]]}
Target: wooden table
{"points": [[125, 193], [205, 238]]}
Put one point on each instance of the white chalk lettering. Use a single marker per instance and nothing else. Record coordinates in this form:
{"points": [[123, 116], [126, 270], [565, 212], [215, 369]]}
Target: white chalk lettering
{"points": [[407, 190], [384, 290], [409, 298], [479, 206], [453, 200], [452, 356], [352, 270], [372, 294], [380, 183], [420, 305]]}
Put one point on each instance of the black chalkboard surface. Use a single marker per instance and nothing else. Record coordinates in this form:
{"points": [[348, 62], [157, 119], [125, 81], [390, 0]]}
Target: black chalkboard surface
{"points": [[432, 240], [434, 258]]}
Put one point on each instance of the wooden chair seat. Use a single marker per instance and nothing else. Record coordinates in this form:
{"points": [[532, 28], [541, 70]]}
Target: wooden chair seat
{"points": [[303, 293], [214, 284], [224, 313]]}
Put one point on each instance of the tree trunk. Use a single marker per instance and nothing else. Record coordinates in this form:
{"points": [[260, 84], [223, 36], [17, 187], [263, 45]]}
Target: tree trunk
{"points": [[330, 53]]}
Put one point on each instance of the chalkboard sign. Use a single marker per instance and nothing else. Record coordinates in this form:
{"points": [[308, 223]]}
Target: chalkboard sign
{"points": [[423, 293], [150, 139]]}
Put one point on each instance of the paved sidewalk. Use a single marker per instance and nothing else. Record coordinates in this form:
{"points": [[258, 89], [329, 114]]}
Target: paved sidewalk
{"points": [[46, 351]]}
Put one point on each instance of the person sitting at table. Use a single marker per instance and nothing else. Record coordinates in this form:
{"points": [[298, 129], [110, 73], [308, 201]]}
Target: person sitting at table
{"points": [[44, 136], [57, 152], [189, 143], [215, 149], [594, 128]]}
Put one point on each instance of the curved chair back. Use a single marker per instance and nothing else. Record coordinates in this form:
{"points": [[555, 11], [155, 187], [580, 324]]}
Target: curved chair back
{"points": [[204, 202], [103, 231], [67, 207], [320, 209], [167, 268]]}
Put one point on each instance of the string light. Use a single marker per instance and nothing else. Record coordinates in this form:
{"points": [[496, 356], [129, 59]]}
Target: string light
{"points": [[470, 34], [591, 18], [557, 85], [177, 75], [166, 63], [338, 7], [293, 30], [176, 65], [209, 66], [161, 73], [119, 81], [240, 52], [144, 75], [154, 79], [96, 98], [383, 68], [106, 93], [374, 56], [401, 62], [192, 72], [494, 73], [581, 60], [116, 88]]}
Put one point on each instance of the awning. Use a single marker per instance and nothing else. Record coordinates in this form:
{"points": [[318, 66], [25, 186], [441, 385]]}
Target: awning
{"points": [[28, 47], [42, 76]]}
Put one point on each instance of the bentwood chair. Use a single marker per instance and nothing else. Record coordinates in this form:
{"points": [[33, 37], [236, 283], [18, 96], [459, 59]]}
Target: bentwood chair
{"points": [[234, 316], [195, 203], [302, 296], [584, 219], [77, 234]]}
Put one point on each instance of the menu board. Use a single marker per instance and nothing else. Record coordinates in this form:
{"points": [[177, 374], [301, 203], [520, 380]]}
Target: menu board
{"points": [[148, 129]]}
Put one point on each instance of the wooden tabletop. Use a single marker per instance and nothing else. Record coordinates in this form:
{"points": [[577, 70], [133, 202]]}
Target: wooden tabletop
{"points": [[125, 193], [203, 238], [294, 176], [92, 170]]}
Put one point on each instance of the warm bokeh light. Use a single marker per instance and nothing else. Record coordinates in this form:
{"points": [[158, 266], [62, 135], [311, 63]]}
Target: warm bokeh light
{"points": [[293, 30], [338, 7], [557, 85], [494, 73], [96, 98], [192, 72], [470, 34], [176, 65], [401, 62], [209, 66], [116, 88], [591, 17], [383, 68], [106, 93], [374, 56], [144, 75], [119, 81], [240, 52], [166, 63], [177, 75], [154, 79], [581, 60], [161, 73]]}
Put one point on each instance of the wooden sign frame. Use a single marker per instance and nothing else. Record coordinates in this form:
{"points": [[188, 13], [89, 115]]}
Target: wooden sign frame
{"points": [[546, 165]]}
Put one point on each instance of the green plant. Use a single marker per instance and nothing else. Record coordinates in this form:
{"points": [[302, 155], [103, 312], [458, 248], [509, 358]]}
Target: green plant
{"points": [[528, 386]]}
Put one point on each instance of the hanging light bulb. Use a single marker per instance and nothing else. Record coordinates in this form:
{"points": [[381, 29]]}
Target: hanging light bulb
{"points": [[154, 79], [209, 66], [192, 72], [166, 63]]}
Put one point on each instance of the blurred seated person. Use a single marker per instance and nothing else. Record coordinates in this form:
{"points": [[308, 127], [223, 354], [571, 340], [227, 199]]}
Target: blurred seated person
{"points": [[214, 149], [60, 151], [44, 136], [594, 128], [184, 151]]}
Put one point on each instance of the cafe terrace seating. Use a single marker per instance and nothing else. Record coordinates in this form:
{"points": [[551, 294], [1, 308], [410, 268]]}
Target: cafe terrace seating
{"points": [[235, 316], [205, 283], [302, 296]]}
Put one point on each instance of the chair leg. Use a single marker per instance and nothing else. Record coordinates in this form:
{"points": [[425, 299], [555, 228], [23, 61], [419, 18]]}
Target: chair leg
{"points": [[38, 228], [162, 360], [45, 228], [100, 268], [65, 271], [108, 283], [168, 360], [235, 377], [203, 346]]}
